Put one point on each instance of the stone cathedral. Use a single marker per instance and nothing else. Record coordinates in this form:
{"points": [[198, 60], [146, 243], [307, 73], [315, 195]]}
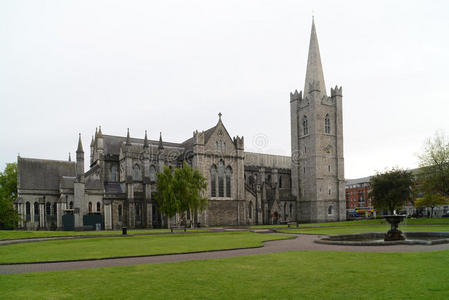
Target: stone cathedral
{"points": [[244, 188]]}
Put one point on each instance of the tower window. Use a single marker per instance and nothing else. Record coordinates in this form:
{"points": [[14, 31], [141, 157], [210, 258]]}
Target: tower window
{"points": [[305, 125], [330, 210], [327, 124], [329, 168]]}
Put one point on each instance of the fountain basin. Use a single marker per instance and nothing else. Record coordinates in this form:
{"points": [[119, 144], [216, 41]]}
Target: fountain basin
{"points": [[377, 239]]}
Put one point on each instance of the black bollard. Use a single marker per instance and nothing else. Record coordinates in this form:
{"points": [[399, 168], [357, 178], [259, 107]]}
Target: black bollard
{"points": [[124, 230]]}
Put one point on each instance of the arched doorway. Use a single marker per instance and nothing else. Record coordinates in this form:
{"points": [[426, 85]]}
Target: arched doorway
{"points": [[275, 218]]}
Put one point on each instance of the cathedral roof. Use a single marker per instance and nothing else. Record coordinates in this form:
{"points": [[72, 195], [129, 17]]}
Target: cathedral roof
{"points": [[42, 174], [112, 144], [188, 144]]}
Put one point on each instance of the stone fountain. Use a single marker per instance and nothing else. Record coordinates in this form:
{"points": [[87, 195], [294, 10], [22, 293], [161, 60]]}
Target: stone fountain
{"points": [[394, 234]]}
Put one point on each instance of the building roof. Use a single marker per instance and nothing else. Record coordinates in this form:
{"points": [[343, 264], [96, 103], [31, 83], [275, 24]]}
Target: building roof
{"points": [[267, 160], [358, 180], [42, 174], [113, 143]]}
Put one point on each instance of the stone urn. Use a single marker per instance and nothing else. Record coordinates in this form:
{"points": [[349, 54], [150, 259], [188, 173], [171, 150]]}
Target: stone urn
{"points": [[394, 234]]}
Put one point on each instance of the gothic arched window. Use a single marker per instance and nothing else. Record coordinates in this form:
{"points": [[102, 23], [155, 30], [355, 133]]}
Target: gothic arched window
{"points": [[114, 176], [90, 207], [48, 208], [119, 212], [71, 205], [136, 172], [280, 181], [213, 181], [228, 181], [327, 124], [221, 174], [152, 173], [330, 210], [36, 211], [28, 211], [305, 125], [55, 209], [98, 206], [250, 210]]}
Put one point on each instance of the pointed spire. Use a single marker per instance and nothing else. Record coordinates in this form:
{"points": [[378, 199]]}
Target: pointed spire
{"points": [[70, 159], [128, 139], [314, 73], [161, 145], [92, 142], [96, 131], [80, 145], [100, 134], [145, 141]]}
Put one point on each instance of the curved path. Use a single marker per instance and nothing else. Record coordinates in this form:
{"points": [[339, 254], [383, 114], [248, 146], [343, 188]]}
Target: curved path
{"points": [[302, 242]]}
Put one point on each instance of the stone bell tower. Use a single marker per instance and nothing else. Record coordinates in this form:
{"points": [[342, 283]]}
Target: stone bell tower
{"points": [[317, 145]]}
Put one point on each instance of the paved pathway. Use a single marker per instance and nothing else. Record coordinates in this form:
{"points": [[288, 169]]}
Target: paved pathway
{"points": [[302, 242]]}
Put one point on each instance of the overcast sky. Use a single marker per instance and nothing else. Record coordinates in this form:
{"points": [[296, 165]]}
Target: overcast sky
{"points": [[69, 66]]}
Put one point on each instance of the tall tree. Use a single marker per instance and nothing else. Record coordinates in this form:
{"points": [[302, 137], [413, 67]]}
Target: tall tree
{"points": [[181, 191], [434, 162], [8, 194], [165, 195], [190, 187], [391, 190]]}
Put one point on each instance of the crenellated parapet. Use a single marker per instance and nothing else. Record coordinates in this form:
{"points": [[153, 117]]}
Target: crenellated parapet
{"points": [[239, 143], [295, 96], [336, 92]]}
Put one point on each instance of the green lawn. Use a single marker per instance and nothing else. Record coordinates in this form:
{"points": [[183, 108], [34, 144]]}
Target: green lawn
{"points": [[361, 222], [364, 229], [287, 275], [21, 234], [130, 246]]}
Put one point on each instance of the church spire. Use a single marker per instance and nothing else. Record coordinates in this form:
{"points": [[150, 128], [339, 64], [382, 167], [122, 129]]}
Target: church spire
{"points": [[161, 145], [145, 141], [314, 73], [80, 145], [128, 139]]}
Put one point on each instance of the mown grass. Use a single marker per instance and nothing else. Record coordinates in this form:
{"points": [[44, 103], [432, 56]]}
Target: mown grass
{"points": [[287, 275], [23, 234], [130, 246], [364, 229], [361, 222]]}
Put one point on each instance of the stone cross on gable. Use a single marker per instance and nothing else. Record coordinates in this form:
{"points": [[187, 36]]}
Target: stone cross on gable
{"points": [[219, 115]]}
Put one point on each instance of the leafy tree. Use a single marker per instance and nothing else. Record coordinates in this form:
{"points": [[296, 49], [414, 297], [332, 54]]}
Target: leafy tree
{"points": [[181, 191], [190, 186], [434, 162], [165, 195], [391, 190], [430, 200], [8, 194]]}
